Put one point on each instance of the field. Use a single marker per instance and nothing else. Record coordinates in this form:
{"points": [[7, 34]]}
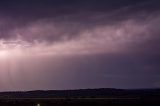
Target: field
{"points": [[79, 102]]}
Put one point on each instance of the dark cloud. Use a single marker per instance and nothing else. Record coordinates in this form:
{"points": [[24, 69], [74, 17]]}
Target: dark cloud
{"points": [[79, 44], [78, 15], [69, 18]]}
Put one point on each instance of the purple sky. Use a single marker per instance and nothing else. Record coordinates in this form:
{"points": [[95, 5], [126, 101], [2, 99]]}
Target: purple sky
{"points": [[74, 44]]}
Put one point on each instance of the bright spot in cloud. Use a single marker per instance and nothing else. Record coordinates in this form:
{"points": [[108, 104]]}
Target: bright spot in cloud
{"points": [[4, 54]]}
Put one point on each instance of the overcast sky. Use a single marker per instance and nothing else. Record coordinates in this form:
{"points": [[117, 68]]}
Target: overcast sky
{"points": [[74, 44]]}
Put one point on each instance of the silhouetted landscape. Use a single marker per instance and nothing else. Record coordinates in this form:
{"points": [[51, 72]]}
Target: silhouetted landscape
{"points": [[81, 97], [51, 49]]}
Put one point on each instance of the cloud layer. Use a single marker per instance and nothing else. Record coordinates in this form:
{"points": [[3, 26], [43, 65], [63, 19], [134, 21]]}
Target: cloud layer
{"points": [[65, 45]]}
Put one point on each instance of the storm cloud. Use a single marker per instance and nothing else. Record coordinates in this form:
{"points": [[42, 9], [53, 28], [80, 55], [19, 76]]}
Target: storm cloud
{"points": [[79, 44]]}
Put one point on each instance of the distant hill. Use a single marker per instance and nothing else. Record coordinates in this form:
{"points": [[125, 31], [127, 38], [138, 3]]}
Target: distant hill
{"points": [[83, 93]]}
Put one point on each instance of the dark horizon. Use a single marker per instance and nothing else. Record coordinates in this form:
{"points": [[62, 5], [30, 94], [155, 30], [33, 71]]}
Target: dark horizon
{"points": [[74, 44]]}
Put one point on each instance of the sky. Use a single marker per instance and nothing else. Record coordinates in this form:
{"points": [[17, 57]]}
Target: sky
{"points": [[78, 44]]}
